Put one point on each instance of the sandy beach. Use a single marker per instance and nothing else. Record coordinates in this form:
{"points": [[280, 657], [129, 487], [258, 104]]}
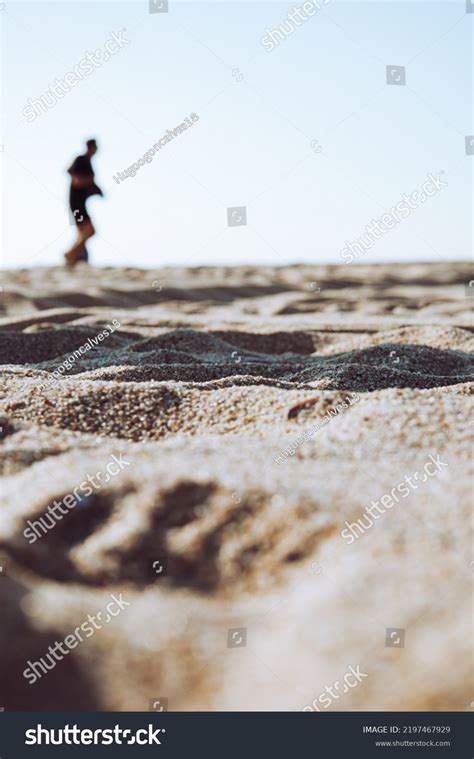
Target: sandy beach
{"points": [[252, 415]]}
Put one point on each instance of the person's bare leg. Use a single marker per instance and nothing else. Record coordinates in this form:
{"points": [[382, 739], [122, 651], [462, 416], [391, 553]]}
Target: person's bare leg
{"points": [[85, 232], [72, 254], [82, 254]]}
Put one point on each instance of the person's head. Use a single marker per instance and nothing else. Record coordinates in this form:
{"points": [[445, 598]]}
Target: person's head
{"points": [[91, 147]]}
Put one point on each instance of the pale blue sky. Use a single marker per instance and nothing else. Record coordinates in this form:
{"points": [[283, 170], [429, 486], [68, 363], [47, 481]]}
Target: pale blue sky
{"points": [[252, 144]]}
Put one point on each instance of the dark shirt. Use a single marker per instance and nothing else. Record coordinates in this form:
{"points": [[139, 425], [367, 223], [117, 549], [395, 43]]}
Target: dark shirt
{"points": [[82, 167]]}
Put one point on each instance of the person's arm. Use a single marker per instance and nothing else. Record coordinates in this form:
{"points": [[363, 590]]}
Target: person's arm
{"points": [[78, 180]]}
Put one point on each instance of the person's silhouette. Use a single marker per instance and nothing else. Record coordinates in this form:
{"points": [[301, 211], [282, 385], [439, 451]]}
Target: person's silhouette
{"points": [[82, 187]]}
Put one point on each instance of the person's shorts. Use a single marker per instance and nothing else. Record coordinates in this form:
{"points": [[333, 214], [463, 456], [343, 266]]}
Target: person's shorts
{"points": [[79, 211]]}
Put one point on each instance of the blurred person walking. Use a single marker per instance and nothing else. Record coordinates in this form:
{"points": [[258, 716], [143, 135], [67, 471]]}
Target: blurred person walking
{"points": [[83, 187]]}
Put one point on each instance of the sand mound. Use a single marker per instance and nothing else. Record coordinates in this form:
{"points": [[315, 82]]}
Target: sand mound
{"points": [[257, 417]]}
